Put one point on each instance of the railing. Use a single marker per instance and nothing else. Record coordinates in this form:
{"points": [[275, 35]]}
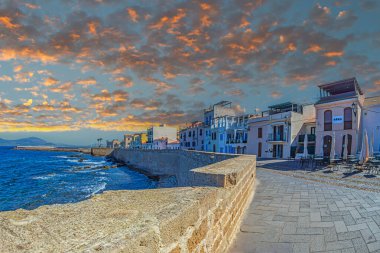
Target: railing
{"points": [[233, 141], [310, 138], [277, 137]]}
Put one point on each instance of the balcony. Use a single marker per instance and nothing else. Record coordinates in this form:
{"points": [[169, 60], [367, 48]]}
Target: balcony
{"points": [[235, 141], [277, 138], [310, 138]]}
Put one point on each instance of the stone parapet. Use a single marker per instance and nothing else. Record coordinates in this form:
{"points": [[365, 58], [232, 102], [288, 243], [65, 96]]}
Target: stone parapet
{"points": [[101, 151]]}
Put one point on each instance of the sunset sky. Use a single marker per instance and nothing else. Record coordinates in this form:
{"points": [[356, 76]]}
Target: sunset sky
{"points": [[74, 71]]}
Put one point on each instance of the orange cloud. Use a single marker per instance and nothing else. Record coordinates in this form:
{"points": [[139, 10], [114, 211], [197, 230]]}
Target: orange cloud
{"points": [[17, 68], [7, 22], [5, 78], [133, 15], [314, 48], [49, 81], [87, 81], [334, 54], [7, 54], [29, 102], [92, 28]]}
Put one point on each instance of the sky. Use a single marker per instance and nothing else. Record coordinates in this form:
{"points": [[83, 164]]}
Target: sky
{"points": [[74, 71]]}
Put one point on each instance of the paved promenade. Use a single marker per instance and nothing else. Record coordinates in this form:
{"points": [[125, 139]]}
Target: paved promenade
{"points": [[290, 214]]}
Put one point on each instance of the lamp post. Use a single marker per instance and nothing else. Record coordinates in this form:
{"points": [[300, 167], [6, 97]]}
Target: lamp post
{"points": [[354, 108]]}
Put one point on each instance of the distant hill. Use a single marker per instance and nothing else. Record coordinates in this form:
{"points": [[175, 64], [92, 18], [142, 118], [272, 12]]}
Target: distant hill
{"points": [[31, 141]]}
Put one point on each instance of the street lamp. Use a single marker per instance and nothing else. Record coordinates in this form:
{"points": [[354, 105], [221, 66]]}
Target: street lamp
{"points": [[354, 108]]}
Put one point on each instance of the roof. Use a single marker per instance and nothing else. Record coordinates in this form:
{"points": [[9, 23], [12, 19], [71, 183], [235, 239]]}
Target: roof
{"points": [[371, 101], [342, 86], [282, 106]]}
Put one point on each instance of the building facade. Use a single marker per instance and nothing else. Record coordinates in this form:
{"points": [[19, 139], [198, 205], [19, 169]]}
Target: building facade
{"points": [[339, 117], [128, 138], [277, 133], [161, 131], [192, 137], [371, 121]]}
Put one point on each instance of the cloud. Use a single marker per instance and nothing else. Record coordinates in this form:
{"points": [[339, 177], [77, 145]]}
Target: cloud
{"points": [[49, 81], [5, 78], [29, 102], [87, 81]]}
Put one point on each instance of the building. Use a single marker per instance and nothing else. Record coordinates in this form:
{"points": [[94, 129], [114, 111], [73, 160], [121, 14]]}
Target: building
{"points": [[128, 138], [173, 145], [138, 140], [214, 116], [279, 132], [371, 120], [161, 131], [192, 137], [339, 110], [160, 143], [229, 134], [113, 144]]}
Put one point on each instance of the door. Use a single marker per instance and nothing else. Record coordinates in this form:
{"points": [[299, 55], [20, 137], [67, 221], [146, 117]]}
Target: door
{"points": [[327, 145], [274, 151], [281, 133], [259, 149]]}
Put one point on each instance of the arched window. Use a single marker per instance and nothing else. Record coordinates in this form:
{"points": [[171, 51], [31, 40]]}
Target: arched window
{"points": [[328, 120], [347, 118]]}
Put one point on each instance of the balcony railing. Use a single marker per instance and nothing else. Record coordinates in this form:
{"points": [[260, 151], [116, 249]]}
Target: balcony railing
{"points": [[235, 141], [310, 138], [277, 137]]}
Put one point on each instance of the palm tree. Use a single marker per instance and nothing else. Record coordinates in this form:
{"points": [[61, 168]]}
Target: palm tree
{"points": [[100, 142]]}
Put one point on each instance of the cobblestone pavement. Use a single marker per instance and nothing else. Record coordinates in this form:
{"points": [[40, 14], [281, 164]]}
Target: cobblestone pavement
{"points": [[290, 214]]}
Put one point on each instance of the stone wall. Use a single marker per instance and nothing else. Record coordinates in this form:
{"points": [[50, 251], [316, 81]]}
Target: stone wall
{"points": [[218, 215], [101, 151], [196, 217]]}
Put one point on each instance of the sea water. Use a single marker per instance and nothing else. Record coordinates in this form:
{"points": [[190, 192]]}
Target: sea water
{"points": [[29, 179]]}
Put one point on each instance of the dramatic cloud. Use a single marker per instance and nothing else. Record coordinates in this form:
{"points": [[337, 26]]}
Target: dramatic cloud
{"points": [[125, 65]]}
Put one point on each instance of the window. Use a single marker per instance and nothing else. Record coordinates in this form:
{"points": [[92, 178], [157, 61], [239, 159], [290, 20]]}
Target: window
{"points": [[347, 118], [328, 120], [221, 137], [312, 130], [260, 146], [194, 133], [200, 132], [189, 133], [260, 132]]}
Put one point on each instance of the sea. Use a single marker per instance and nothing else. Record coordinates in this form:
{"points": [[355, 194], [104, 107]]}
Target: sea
{"points": [[29, 179]]}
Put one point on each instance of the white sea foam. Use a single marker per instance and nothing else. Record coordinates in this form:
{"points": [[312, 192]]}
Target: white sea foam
{"points": [[45, 177], [96, 189]]}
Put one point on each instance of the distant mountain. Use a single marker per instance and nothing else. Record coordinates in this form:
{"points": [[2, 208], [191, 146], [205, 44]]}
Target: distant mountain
{"points": [[31, 141]]}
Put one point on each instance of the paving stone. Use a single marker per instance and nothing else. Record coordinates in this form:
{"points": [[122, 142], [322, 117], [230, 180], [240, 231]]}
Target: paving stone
{"points": [[368, 236], [339, 245], [360, 245], [317, 243], [357, 227], [374, 246], [349, 235], [340, 227], [301, 248]]}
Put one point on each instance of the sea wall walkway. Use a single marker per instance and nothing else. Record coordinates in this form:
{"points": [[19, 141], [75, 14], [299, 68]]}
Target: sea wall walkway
{"points": [[202, 215], [289, 214]]}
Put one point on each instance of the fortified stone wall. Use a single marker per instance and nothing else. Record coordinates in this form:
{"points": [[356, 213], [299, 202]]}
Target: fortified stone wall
{"points": [[178, 163], [101, 151], [209, 225]]}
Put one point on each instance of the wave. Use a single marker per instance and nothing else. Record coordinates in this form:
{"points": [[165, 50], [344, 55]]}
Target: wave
{"points": [[96, 189], [46, 177]]}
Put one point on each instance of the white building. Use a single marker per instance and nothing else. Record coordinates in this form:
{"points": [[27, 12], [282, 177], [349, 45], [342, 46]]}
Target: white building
{"points": [[161, 131], [278, 132], [371, 120]]}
